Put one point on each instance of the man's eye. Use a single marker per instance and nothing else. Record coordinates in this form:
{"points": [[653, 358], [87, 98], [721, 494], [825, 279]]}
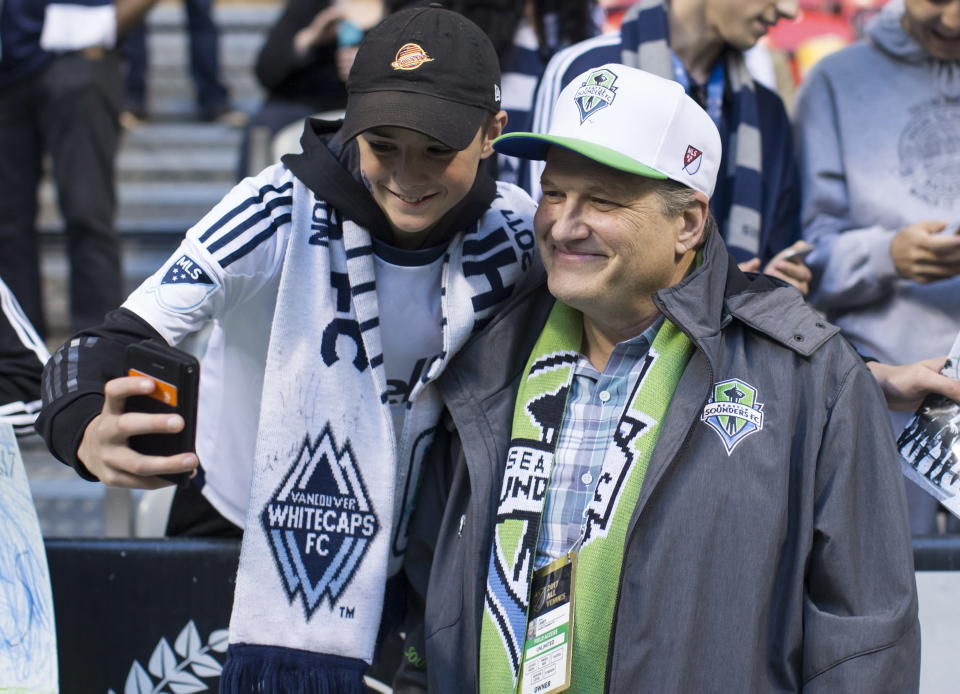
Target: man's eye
{"points": [[440, 151], [552, 195], [603, 202]]}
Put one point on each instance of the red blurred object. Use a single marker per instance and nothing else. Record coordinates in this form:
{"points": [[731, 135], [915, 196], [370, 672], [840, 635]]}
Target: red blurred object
{"points": [[820, 27], [788, 34]]}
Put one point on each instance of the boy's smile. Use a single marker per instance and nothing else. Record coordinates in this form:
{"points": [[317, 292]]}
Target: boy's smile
{"points": [[415, 179]]}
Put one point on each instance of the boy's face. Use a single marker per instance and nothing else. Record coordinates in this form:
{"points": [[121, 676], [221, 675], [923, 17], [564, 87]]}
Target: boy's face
{"points": [[415, 179]]}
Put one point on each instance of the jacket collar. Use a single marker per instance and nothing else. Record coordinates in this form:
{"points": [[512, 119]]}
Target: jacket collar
{"points": [[717, 291]]}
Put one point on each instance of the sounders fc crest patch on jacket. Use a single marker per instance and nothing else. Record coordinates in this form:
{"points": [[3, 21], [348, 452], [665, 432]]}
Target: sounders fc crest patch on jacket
{"points": [[320, 522], [734, 412], [596, 93]]}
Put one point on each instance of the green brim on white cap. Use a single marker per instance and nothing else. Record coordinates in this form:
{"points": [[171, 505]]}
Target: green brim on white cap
{"points": [[535, 146]]}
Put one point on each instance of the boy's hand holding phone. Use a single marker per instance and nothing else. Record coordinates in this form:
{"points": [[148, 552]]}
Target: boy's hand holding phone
{"points": [[106, 448]]}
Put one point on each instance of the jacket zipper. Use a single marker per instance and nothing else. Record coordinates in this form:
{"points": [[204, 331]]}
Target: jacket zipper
{"points": [[616, 604]]}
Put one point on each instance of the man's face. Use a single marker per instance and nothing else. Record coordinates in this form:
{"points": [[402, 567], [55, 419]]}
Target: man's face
{"points": [[935, 24], [741, 23], [415, 179], [604, 240]]}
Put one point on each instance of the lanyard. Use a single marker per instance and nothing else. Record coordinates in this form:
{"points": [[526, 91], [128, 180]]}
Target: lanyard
{"points": [[715, 86]]}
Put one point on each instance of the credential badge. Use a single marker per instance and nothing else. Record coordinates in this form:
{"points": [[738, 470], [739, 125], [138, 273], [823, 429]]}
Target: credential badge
{"points": [[596, 93], [320, 522], [734, 412]]}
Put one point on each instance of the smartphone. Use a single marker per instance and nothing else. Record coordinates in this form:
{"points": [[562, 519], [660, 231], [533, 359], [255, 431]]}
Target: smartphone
{"points": [[797, 255], [176, 376]]}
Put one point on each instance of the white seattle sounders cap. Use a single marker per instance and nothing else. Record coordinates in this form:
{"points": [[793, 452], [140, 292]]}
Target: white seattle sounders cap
{"points": [[629, 120]]}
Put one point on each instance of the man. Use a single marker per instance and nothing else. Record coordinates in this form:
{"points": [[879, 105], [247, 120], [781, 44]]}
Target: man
{"points": [[324, 296], [700, 44], [880, 193], [60, 96], [693, 450]]}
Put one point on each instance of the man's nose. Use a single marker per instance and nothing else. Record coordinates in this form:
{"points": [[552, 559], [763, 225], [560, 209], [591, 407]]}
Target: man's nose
{"points": [[567, 223]]}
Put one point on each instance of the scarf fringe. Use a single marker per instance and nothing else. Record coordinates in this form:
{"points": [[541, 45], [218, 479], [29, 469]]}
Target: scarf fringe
{"points": [[274, 670]]}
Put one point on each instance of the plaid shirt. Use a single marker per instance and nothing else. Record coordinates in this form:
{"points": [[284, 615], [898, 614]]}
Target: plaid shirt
{"points": [[594, 406]]}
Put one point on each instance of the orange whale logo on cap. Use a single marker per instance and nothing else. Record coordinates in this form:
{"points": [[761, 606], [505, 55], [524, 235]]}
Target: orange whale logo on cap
{"points": [[410, 57]]}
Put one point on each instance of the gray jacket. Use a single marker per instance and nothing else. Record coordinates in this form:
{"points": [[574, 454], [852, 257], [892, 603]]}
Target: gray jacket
{"points": [[784, 566]]}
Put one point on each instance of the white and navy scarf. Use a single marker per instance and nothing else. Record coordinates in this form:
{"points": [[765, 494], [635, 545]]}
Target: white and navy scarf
{"points": [[645, 44], [329, 499]]}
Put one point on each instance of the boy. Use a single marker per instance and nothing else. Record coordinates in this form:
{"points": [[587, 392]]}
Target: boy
{"points": [[374, 255]]}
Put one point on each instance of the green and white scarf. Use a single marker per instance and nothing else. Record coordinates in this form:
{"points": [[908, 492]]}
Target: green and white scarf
{"points": [[537, 419]]}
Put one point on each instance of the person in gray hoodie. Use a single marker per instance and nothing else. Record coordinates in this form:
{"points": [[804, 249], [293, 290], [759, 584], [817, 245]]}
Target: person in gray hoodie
{"points": [[877, 130]]}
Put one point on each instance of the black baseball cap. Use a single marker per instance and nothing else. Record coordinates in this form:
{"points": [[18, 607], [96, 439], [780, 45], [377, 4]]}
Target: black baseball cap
{"points": [[427, 69]]}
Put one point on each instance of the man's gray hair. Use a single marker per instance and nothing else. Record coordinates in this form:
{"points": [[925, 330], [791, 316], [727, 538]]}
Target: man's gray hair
{"points": [[675, 198]]}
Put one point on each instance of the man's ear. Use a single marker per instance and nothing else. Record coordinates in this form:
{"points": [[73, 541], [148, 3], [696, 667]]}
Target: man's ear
{"points": [[693, 224], [494, 128]]}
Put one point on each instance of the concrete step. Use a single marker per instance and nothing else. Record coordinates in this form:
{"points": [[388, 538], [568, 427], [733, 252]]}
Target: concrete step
{"points": [[187, 136], [210, 165], [166, 205], [170, 90]]}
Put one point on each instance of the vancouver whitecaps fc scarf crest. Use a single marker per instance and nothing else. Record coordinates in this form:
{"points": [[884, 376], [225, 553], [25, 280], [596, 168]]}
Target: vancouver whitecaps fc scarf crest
{"points": [[596, 93], [320, 522], [734, 412]]}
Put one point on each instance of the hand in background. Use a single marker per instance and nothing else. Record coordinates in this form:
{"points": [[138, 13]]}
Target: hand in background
{"points": [[923, 255], [785, 266], [905, 387], [322, 30]]}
